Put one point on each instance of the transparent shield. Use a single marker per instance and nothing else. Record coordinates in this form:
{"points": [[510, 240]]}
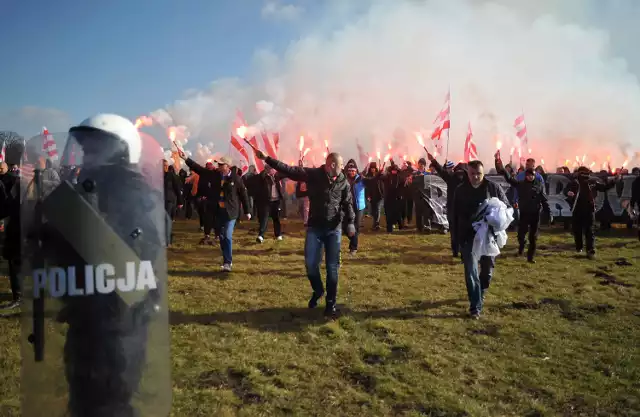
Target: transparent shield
{"points": [[95, 326]]}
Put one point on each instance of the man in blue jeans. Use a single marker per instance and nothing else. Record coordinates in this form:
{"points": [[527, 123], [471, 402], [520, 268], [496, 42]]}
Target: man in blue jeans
{"points": [[329, 199], [231, 193], [469, 196]]}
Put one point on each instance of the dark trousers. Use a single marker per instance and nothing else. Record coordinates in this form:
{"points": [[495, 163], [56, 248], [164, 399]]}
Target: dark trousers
{"points": [[529, 223], [316, 240], [393, 213], [272, 210], [407, 209], [209, 214], [171, 207], [455, 248], [583, 224], [376, 211], [423, 215], [14, 278], [188, 208], [353, 240], [200, 207]]}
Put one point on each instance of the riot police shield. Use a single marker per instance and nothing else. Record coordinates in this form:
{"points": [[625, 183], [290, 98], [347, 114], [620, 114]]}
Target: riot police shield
{"points": [[95, 312]]}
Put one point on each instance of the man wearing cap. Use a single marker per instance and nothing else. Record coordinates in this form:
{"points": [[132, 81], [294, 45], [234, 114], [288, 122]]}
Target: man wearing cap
{"points": [[230, 194], [453, 178], [329, 199]]}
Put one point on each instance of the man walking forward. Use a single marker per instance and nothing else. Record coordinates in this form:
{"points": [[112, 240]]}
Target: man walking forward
{"points": [[329, 198], [468, 198]]}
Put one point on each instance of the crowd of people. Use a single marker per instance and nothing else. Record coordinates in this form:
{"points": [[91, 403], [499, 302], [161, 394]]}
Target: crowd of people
{"points": [[333, 199]]}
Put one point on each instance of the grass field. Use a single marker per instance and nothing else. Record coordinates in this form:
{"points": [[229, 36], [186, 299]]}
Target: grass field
{"points": [[561, 337]]}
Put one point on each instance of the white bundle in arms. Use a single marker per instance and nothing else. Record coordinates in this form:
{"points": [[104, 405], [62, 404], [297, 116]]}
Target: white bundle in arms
{"points": [[490, 223]]}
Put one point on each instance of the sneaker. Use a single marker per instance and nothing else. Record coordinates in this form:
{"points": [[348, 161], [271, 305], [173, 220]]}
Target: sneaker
{"points": [[259, 239], [313, 302], [226, 268], [205, 241], [12, 305], [201, 228], [474, 316], [353, 252], [331, 311], [279, 238], [591, 256]]}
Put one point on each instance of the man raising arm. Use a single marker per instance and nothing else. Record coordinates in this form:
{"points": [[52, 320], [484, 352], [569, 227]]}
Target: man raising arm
{"points": [[329, 200]]}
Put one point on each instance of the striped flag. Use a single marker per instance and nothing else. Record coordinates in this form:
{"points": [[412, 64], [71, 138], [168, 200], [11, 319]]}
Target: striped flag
{"points": [[259, 164], [3, 153], [269, 145], [49, 145], [521, 131], [442, 122], [470, 149]]}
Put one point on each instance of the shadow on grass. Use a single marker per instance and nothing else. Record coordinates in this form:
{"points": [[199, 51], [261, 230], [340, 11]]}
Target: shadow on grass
{"points": [[296, 319], [199, 273]]}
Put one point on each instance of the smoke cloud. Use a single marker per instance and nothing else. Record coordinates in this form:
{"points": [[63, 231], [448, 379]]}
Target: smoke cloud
{"points": [[384, 74]]}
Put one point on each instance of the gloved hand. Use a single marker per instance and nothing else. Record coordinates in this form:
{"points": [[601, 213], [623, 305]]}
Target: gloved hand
{"points": [[551, 220]]}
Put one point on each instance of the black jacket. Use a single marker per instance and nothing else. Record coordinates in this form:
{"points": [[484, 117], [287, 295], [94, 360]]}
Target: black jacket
{"points": [[373, 185], [585, 190], [235, 193], [261, 186], [635, 193], [300, 192], [531, 195], [172, 187], [328, 199], [393, 184], [10, 207], [466, 202], [452, 179]]}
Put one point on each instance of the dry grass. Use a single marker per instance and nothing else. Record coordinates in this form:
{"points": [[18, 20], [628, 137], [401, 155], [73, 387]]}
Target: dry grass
{"points": [[561, 337]]}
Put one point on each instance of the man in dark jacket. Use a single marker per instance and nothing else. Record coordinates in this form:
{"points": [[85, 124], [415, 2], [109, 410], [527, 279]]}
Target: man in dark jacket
{"points": [[393, 202], [267, 196], [407, 194], [231, 194], [10, 208], [302, 195], [374, 192], [468, 198], [634, 204], [532, 201], [453, 177], [359, 202], [206, 203], [173, 199], [329, 198], [583, 190]]}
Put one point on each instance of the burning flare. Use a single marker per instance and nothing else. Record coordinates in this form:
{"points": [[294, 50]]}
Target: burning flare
{"points": [[301, 144], [306, 151], [143, 121], [419, 138], [242, 131]]}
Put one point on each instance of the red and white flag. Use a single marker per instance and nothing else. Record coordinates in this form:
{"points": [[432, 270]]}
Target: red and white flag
{"points": [[269, 145], [3, 153], [470, 149], [521, 131], [442, 122], [258, 163], [49, 145]]}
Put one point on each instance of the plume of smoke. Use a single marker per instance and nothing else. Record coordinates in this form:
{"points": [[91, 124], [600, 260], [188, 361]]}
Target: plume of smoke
{"points": [[384, 75]]}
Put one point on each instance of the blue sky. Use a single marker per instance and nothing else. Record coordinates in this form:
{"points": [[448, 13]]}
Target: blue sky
{"points": [[128, 57]]}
